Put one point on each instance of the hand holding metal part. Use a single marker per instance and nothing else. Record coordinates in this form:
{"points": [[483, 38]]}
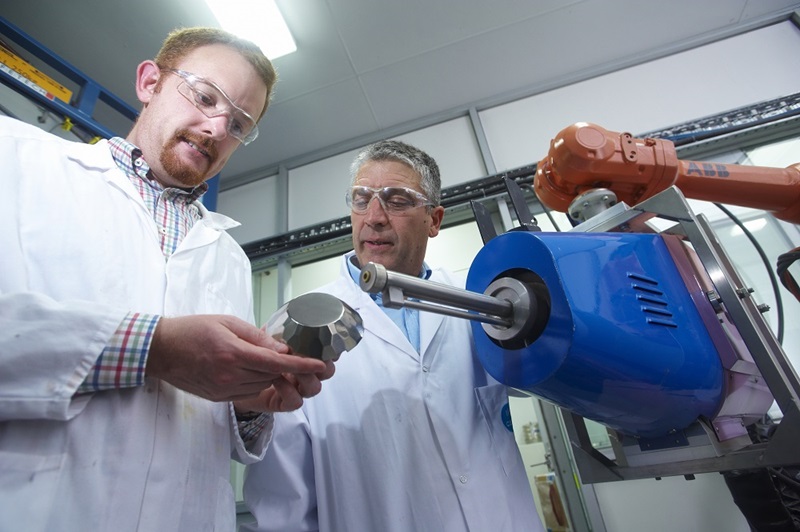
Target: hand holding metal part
{"points": [[316, 325]]}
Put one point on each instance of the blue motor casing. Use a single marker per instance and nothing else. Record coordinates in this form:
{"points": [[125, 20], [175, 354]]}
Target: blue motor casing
{"points": [[624, 343]]}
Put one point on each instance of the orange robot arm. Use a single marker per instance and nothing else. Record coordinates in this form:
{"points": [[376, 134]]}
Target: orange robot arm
{"points": [[585, 156]]}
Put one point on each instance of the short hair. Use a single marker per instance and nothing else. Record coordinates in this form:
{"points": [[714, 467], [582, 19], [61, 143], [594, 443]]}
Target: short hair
{"points": [[180, 42], [418, 160]]}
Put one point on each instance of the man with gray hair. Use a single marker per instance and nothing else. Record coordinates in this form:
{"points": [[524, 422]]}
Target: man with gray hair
{"points": [[409, 436]]}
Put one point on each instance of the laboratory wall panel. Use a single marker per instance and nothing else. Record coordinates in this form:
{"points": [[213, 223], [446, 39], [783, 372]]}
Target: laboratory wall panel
{"points": [[715, 78]]}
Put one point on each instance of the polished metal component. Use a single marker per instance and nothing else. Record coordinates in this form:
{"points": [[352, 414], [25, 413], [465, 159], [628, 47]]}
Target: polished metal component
{"points": [[507, 309], [591, 203], [398, 290], [523, 304], [317, 325]]}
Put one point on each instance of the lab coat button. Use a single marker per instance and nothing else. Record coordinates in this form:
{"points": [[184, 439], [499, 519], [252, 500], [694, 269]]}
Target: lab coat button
{"points": [[463, 479], [425, 369]]}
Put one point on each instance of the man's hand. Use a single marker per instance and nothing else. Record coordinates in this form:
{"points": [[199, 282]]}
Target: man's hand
{"points": [[286, 393], [223, 358]]}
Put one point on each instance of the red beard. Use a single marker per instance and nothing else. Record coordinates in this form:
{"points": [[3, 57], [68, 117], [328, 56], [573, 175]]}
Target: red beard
{"points": [[177, 169]]}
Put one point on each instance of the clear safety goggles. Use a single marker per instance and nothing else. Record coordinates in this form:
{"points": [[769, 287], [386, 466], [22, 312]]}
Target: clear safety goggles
{"points": [[212, 102], [394, 200]]}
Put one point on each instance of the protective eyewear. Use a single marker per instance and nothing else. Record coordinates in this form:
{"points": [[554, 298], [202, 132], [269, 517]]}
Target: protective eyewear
{"points": [[394, 200], [212, 102]]}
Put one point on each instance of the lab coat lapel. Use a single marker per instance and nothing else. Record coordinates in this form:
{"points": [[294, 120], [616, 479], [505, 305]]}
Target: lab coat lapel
{"points": [[387, 330], [373, 317], [207, 230], [429, 325], [377, 322], [98, 157]]}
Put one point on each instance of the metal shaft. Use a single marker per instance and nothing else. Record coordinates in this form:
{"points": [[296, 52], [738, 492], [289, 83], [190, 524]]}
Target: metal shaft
{"points": [[398, 288]]}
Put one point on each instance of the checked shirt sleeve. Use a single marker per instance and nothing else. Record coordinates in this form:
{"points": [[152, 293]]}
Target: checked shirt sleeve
{"points": [[251, 426], [121, 364]]}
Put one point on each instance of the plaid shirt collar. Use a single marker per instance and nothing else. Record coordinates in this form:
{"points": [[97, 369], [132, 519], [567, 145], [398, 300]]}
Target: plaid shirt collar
{"points": [[129, 159]]}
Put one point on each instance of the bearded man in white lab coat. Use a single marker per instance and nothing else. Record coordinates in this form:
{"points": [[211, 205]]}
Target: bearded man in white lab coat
{"points": [[409, 436], [126, 312]]}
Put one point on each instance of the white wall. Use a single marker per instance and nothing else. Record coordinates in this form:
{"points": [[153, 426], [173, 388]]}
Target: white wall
{"points": [[718, 77], [739, 71], [254, 206], [316, 190], [725, 75]]}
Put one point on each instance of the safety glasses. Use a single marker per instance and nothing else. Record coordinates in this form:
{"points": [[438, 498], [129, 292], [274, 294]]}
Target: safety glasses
{"points": [[212, 102], [394, 200]]}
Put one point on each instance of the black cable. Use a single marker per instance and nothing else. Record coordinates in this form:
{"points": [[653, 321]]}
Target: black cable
{"points": [[784, 261], [546, 211], [772, 278]]}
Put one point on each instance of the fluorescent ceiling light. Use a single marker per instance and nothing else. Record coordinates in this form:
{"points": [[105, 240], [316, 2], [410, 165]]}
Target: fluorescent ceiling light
{"points": [[259, 21]]}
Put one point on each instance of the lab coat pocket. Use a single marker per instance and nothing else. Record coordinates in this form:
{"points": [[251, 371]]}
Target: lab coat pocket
{"points": [[29, 481], [494, 407]]}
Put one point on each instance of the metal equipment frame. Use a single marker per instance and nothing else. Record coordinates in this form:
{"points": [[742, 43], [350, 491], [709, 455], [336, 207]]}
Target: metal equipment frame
{"points": [[700, 453]]}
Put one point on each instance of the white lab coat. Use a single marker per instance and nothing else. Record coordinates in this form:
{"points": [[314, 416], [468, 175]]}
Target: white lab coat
{"points": [[78, 250], [395, 441]]}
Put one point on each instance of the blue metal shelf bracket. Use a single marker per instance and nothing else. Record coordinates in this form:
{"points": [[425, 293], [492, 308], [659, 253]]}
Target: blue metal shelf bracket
{"points": [[89, 94]]}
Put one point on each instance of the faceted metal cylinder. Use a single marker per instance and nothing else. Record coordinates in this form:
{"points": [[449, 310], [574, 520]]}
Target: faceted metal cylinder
{"points": [[317, 325]]}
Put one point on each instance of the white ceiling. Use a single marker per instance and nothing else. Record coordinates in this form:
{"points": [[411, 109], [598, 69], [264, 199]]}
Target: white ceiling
{"points": [[367, 69]]}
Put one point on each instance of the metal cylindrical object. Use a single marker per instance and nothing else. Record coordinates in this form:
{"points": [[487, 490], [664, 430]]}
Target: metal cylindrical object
{"points": [[524, 309], [376, 279], [317, 325]]}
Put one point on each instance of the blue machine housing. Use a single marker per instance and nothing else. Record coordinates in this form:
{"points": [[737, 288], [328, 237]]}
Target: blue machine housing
{"points": [[624, 343]]}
